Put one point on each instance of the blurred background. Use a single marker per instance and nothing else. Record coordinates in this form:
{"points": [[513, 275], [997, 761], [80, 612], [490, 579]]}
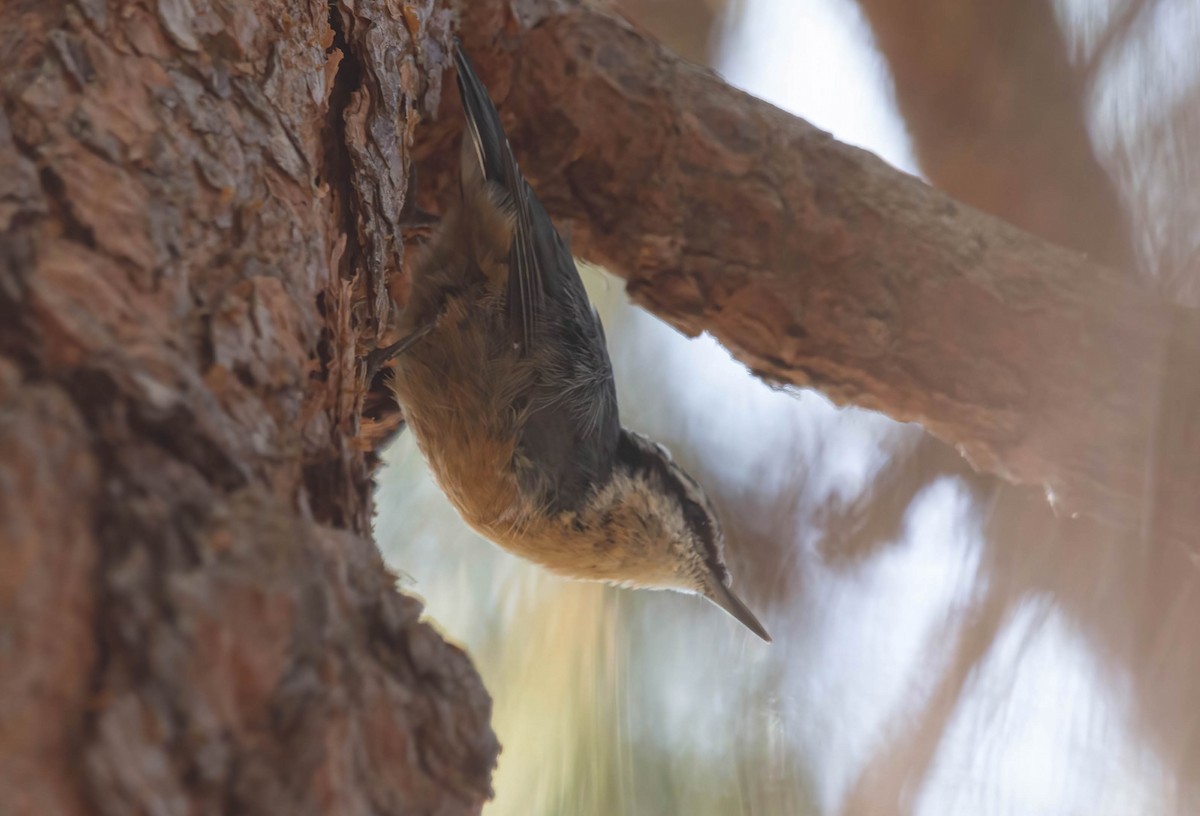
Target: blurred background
{"points": [[943, 643]]}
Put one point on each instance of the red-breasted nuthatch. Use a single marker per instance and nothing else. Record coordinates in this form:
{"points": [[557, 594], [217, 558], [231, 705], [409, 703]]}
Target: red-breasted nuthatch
{"points": [[503, 375]]}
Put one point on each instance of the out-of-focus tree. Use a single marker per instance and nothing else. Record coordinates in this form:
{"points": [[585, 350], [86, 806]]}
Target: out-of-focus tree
{"points": [[1084, 132], [690, 28], [1046, 125], [997, 113]]}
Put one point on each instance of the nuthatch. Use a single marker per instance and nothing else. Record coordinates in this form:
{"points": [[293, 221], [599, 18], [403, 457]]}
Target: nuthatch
{"points": [[503, 375]]}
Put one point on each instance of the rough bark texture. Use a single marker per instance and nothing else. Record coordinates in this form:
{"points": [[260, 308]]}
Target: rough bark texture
{"points": [[193, 618], [818, 265]]}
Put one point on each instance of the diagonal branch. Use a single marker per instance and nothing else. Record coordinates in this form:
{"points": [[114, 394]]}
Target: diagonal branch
{"points": [[819, 265]]}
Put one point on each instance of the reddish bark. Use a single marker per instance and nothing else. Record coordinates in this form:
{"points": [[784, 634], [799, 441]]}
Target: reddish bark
{"points": [[193, 616]]}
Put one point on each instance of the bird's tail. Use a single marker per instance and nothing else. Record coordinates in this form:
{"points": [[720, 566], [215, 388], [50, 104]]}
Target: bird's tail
{"points": [[490, 144], [536, 247]]}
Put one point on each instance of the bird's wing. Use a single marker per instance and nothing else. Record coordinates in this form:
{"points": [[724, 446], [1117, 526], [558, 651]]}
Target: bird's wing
{"points": [[569, 436], [536, 248], [568, 440]]}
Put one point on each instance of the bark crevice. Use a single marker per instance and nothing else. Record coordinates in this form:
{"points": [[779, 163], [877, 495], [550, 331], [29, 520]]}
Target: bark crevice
{"points": [[202, 623]]}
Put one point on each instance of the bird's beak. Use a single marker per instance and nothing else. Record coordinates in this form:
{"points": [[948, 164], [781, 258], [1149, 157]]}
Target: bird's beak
{"points": [[723, 597]]}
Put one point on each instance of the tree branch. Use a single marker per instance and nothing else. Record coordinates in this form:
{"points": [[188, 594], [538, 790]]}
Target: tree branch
{"points": [[818, 265]]}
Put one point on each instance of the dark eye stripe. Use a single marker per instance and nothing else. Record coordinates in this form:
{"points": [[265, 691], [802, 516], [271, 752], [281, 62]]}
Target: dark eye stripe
{"points": [[700, 521], [686, 491]]}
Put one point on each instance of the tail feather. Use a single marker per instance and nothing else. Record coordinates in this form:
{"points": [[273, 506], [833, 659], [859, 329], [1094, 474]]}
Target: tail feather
{"points": [[536, 246], [483, 123]]}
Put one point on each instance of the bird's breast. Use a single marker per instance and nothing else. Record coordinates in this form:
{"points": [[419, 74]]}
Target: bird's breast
{"points": [[456, 390], [459, 389]]}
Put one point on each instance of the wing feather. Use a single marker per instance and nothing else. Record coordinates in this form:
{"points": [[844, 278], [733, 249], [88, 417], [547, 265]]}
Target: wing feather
{"points": [[527, 272], [569, 428]]}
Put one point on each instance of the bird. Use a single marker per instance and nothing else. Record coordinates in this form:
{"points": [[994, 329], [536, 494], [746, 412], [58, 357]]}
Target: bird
{"points": [[503, 375]]}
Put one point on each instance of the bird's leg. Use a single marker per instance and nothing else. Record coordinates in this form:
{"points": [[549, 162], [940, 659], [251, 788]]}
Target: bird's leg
{"points": [[379, 356], [412, 217]]}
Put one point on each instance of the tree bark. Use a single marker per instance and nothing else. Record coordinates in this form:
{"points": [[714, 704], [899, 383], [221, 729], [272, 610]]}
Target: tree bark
{"points": [[198, 204], [818, 265]]}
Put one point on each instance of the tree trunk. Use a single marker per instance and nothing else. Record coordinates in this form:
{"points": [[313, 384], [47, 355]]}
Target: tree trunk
{"points": [[199, 202]]}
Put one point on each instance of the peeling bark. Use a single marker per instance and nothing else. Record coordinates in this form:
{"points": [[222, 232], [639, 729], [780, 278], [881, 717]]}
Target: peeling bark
{"points": [[193, 618], [818, 265]]}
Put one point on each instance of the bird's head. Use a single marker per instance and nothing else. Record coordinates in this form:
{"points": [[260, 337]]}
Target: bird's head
{"points": [[676, 534]]}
